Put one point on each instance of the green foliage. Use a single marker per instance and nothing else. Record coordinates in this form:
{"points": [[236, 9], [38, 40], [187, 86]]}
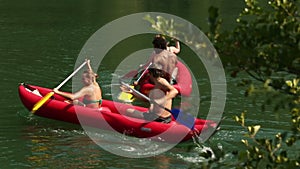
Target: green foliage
{"points": [[266, 45], [186, 33], [214, 23], [162, 25], [265, 152], [266, 40]]}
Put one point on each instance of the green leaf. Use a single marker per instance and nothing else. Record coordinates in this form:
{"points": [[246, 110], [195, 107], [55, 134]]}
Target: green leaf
{"points": [[253, 130]]}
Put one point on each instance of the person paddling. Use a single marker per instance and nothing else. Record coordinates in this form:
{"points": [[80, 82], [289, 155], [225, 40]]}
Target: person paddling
{"points": [[91, 91], [162, 93]]}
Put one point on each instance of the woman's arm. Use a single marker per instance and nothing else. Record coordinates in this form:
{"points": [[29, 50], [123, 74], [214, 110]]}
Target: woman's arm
{"points": [[90, 68], [89, 65], [72, 96], [66, 95]]}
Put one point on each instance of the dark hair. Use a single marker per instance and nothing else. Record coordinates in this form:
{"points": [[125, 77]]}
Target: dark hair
{"points": [[159, 42], [159, 73]]}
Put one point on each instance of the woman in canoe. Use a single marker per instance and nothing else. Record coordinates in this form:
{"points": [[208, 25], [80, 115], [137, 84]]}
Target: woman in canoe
{"points": [[162, 94], [91, 91]]}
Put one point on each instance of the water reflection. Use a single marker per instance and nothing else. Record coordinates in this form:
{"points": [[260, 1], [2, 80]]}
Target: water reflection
{"points": [[57, 147], [68, 148]]}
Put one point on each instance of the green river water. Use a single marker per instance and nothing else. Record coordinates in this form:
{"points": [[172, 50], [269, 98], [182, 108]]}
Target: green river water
{"points": [[39, 44]]}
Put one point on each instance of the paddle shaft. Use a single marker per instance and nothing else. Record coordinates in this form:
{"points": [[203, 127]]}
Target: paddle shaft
{"points": [[144, 72], [70, 76]]}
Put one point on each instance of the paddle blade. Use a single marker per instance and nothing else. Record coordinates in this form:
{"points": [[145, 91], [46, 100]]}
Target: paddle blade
{"points": [[184, 118], [126, 97], [41, 102]]}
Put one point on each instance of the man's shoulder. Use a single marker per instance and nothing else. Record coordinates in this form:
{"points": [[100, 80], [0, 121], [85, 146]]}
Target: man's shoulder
{"points": [[168, 54]]}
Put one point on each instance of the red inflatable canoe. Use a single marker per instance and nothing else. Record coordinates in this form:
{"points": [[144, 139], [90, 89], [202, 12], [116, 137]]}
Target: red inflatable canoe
{"points": [[108, 117]]}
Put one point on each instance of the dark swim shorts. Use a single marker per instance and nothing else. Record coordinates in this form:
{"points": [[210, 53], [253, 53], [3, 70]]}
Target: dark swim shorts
{"points": [[153, 117]]}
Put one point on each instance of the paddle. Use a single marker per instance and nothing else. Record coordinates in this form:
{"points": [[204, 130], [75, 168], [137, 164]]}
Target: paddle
{"points": [[183, 118], [47, 96], [127, 97]]}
